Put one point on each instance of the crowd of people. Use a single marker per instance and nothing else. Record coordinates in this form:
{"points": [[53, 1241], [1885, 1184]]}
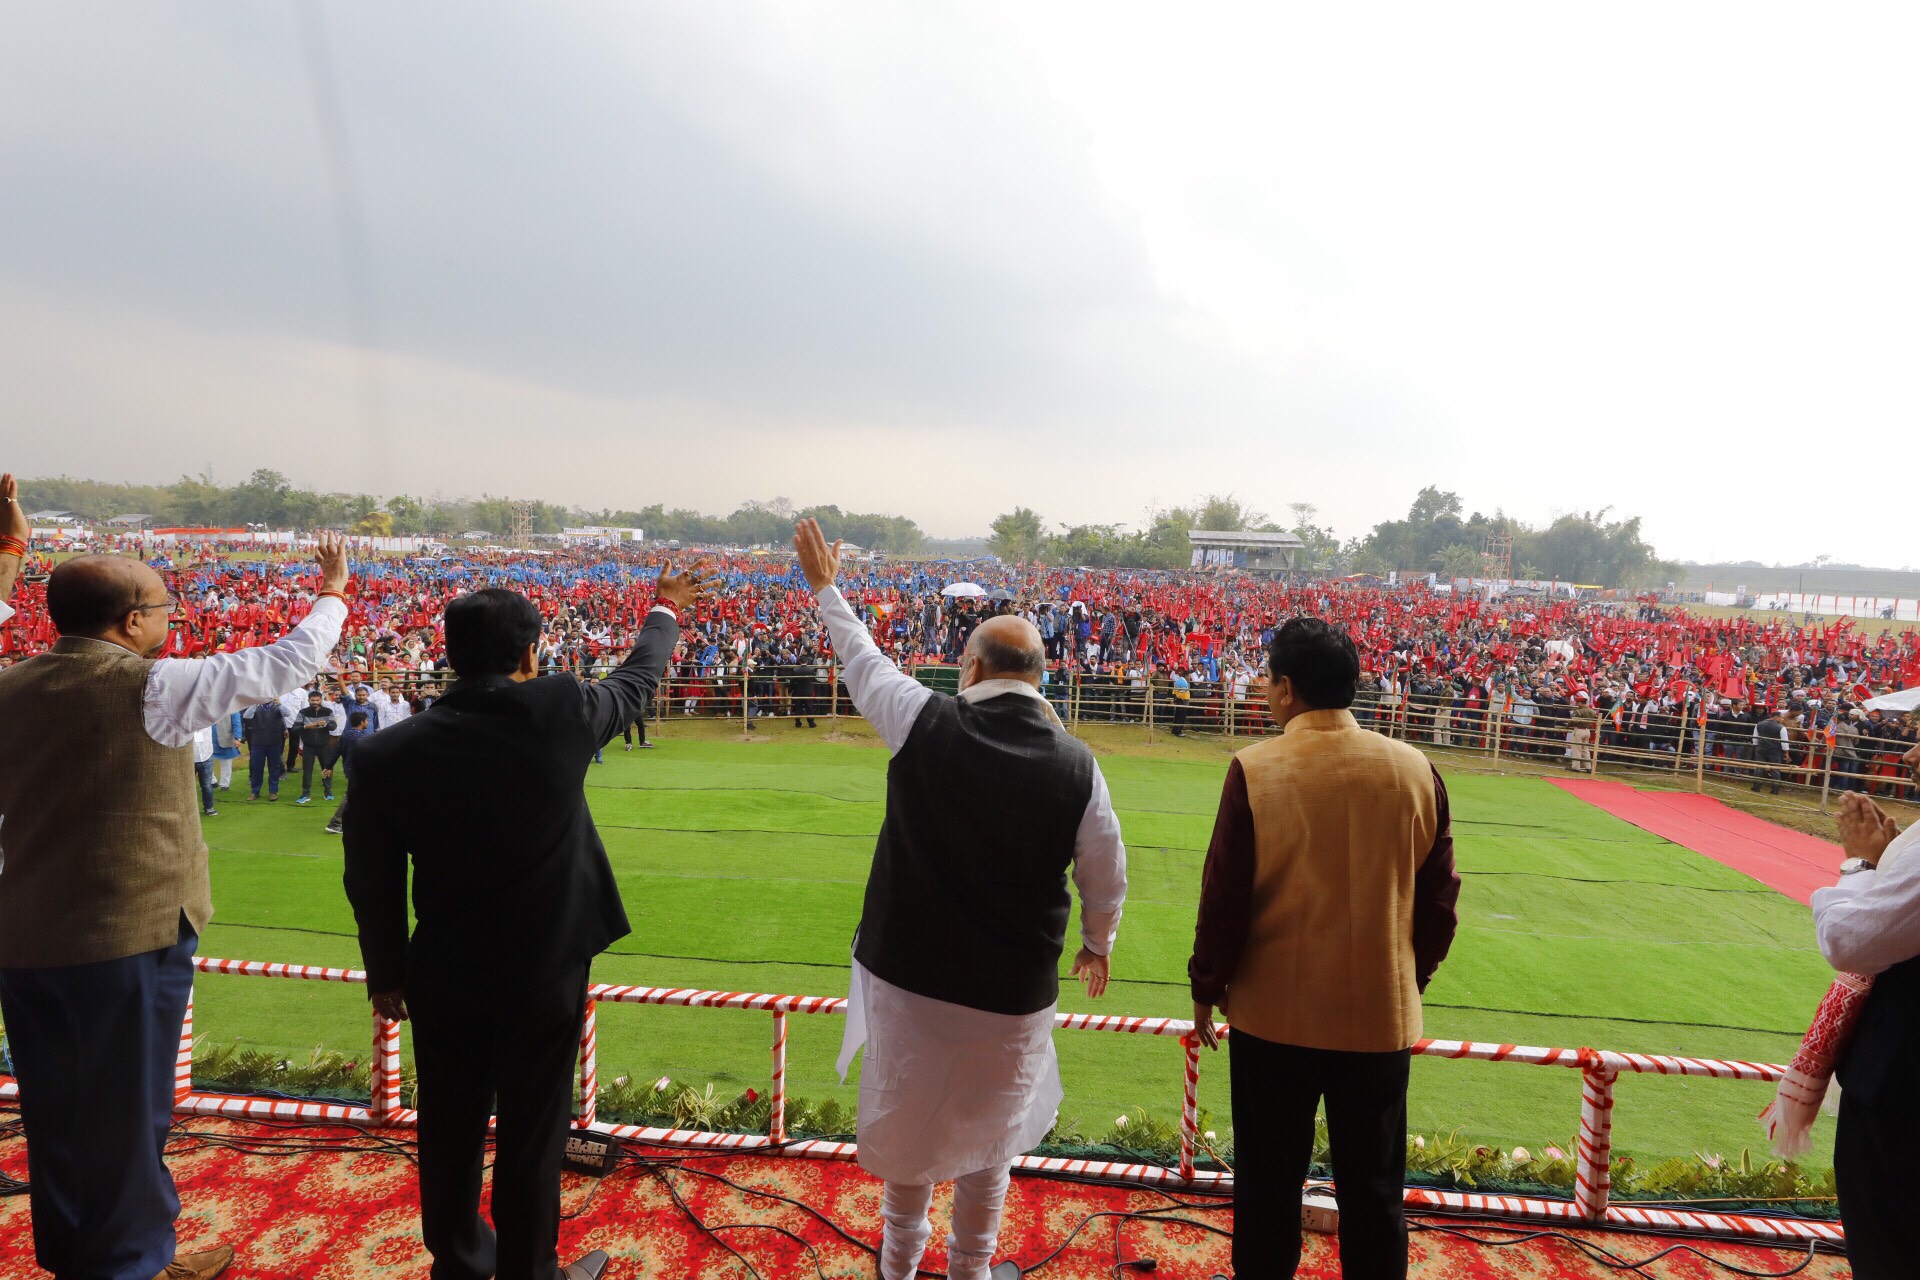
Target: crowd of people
{"points": [[1579, 681], [1328, 898]]}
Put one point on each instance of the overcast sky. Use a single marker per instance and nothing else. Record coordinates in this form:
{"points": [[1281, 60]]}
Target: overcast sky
{"points": [[945, 259]]}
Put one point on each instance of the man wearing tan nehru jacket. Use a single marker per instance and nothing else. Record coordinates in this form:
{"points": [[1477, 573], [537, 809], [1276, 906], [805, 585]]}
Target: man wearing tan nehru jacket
{"points": [[103, 894], [1326, 904]]}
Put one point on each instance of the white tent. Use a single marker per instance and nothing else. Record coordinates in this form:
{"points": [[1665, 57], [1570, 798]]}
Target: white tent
{"points": [[1905, 700], [964, 589]]}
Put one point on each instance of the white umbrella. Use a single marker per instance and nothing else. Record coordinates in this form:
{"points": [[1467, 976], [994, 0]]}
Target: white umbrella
{"points": [[964, 589], [1905, 700]]}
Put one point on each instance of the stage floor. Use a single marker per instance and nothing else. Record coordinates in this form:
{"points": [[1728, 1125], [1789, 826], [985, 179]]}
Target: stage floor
{"points": [[339, 1204]]}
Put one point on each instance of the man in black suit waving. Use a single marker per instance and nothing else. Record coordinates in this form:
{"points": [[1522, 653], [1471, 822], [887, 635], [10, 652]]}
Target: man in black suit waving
{"points": [[512, 897]]}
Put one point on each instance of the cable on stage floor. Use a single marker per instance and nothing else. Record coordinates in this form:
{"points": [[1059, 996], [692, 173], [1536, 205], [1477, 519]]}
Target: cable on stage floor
{"points": [[301, 1137]]}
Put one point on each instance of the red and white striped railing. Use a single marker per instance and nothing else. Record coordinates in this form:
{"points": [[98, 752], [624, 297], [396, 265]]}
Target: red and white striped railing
{"points": [[1591, 1204]]}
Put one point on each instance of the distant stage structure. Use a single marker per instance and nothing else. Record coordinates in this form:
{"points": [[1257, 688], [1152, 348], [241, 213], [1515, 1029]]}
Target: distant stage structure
{"points": [[1274, 554]]}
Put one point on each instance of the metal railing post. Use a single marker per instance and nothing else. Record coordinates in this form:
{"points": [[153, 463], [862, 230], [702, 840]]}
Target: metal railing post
{"points": [[383, 1093], [777, 1118], [1826, 776], [1497, 716], [1593, 1175], [1190, 1107], [183, 1057], [589, 1067]]}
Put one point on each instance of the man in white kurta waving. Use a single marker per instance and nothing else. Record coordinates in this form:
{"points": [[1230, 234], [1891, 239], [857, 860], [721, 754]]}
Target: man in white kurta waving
{"points": [[991, 804]]}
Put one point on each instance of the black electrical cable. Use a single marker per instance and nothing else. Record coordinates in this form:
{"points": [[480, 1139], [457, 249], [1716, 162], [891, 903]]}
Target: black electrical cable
{"points": [[11, 1186], [1607, 1258], [353, 1139]]}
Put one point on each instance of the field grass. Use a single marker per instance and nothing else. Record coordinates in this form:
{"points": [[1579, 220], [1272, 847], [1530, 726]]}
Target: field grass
{"points": [[742, 863]]}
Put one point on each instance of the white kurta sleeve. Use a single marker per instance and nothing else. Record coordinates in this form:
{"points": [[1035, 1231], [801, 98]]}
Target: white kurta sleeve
{"points": [[185, 694], [889, 698], [1100, 869], [1870, 921]]}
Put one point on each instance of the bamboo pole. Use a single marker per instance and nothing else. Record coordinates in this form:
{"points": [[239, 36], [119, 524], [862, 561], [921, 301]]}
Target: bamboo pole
{"points": [[1700, 759]]}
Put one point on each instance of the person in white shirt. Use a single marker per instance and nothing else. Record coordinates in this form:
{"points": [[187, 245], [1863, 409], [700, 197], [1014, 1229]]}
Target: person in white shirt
{"points": [[1869, 924], [104, 894], [389, 707], [203, 769], [990, 805]]}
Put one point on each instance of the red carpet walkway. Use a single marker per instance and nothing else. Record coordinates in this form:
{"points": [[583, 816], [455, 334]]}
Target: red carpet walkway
{"points": [[1789, 861], [296, 1211]]}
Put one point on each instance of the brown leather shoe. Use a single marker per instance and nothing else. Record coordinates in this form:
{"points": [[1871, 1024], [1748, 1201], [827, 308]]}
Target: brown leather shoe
{"points": [[198, 1266]]}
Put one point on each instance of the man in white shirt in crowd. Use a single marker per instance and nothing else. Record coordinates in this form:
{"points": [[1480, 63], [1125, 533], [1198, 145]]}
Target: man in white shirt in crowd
{"points": [[389, 706], [104, 894], [1869, 923], [990, 804]]}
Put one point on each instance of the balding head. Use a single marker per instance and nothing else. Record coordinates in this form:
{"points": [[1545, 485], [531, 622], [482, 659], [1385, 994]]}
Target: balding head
{"points": [[107, 598], [1007, 648]]}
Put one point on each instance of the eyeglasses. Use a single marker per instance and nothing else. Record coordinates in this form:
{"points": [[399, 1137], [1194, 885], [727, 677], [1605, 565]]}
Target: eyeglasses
{"points": [[170, 605]]}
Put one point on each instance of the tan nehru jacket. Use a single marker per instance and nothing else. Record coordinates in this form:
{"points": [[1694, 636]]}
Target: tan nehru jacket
{"points": [[100, 848], [1343, 819]]}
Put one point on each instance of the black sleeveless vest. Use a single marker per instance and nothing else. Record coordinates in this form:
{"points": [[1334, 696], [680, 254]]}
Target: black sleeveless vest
{"points": [[1884, 1054], [967, 901]]}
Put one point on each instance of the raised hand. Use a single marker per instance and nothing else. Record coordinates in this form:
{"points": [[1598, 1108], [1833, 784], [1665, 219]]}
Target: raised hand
{"points": [[682, 589], [13, 516], [818, 561], [330, 553]]}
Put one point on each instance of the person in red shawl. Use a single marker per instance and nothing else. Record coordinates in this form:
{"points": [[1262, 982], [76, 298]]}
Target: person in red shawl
{"points": [[1867, 1032]]}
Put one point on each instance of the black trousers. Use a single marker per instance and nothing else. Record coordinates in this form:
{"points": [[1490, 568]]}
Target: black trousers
{"points": [[317, 749], [512, 1051], [639, 722], [1872, 1162], [1276, 1090], [93, 1048]]}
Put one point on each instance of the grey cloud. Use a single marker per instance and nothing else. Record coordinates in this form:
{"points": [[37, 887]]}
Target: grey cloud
{"points": [[547, 197]]}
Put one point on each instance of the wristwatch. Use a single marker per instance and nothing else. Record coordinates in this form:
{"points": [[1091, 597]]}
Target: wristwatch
{"points": [[1852, 865]]}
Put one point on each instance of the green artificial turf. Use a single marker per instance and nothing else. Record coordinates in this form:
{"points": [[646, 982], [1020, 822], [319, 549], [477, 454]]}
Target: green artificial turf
{"points": [[741, 865]]}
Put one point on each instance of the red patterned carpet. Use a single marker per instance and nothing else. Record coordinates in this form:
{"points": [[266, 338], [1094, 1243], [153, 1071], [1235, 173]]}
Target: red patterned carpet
{"points": [[292, 1209], [1791, 861]]}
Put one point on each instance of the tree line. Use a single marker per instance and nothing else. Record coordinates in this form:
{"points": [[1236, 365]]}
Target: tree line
{"points": [[1435, 537], [268, 498]]}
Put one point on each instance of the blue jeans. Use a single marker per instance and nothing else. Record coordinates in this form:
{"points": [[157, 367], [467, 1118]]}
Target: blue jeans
{"points": [[264, 758], [93, 1048]]}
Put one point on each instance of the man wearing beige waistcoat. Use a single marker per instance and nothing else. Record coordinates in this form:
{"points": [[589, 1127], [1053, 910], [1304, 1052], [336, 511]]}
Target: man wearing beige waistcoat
{"points": [[1327, 903], [104, 892]]}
